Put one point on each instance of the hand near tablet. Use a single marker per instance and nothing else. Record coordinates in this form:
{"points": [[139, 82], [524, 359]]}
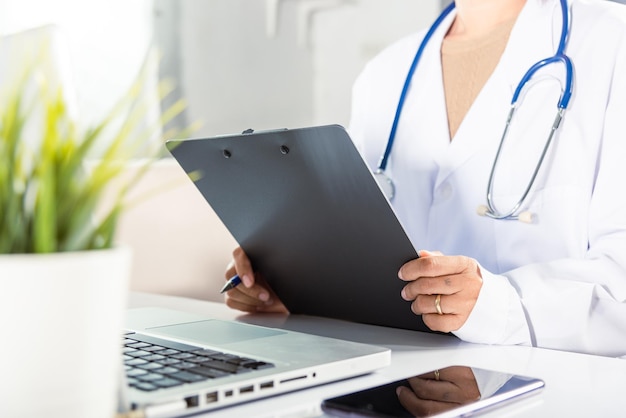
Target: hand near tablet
{"points": [[253, 294]]}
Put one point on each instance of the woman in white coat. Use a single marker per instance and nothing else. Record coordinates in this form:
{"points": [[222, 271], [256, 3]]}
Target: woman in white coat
{"points": [[556, 282]]}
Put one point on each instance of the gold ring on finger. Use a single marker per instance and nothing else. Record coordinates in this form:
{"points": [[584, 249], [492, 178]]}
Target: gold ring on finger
{"points": [[438, 304]]}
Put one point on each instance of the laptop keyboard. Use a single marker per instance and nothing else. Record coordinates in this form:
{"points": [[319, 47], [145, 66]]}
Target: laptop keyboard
{"points": [[153, 363]]}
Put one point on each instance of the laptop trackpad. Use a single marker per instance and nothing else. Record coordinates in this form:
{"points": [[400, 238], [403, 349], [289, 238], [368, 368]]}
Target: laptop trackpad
{"points": [[214, 331]]}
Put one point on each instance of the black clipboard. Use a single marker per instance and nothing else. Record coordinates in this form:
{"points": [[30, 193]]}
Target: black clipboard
{"points": [[306, 209]]}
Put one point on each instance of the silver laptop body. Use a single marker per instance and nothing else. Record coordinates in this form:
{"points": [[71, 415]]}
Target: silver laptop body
{"points": [[289, 361]]}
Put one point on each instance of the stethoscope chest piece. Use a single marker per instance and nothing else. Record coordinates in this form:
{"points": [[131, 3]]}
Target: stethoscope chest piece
{"points": [[385, 184]]}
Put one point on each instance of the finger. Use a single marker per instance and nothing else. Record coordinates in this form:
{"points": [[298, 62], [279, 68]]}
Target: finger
{"points": [[243, 267], [256, 295], [420, 254], [455, 309], [469, 280], [427, 253], [434, 267], [244, 302], [259, 298], [251, 297], [457, 303], [444, 285], [259, 291], [426, 304]]}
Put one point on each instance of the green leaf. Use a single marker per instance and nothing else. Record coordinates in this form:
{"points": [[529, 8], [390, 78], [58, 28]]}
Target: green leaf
{"points": [[50, 196]]}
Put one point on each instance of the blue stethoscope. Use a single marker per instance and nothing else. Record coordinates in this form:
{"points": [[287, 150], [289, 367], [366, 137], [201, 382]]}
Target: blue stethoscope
{"points": [[490, 209]]}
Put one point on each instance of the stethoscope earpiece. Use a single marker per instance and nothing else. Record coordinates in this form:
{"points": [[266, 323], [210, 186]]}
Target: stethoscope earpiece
{"points": [[526, 217], [482, 210]]}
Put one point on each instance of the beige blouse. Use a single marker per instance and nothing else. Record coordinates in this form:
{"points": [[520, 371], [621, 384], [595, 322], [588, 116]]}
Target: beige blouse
{"points": [[466, 66]]}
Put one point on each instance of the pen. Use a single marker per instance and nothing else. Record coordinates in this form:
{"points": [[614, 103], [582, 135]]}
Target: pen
{"points": [[231, 283]]}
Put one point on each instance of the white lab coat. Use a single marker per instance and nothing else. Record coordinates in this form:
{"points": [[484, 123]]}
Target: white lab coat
{"points": [[561, 281]]}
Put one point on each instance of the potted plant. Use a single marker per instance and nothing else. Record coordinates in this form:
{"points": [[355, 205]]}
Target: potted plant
{"points": [[63, 277]]}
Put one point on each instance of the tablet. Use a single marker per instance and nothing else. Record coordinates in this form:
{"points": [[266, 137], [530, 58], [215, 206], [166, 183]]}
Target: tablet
{"points": [[455, 391], [309, 214]]}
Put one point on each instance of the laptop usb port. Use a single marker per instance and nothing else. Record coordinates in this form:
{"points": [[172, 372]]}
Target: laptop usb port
{"points": [[246, 389], [192, 401], [266, 385], [211, 397]]}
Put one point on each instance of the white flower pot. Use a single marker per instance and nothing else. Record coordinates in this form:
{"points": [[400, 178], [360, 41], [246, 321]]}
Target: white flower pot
{"points": [[60, 316]]}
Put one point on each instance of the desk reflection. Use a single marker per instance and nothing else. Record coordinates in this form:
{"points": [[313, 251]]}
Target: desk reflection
{"points": [[432, 393]]}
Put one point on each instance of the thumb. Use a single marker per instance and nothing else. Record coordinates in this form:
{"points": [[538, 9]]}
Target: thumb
{"points": [[426, 253]]}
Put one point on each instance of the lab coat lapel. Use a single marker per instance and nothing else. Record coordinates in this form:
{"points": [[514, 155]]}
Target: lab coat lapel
{"points": [[426, 98], [481, 129]]}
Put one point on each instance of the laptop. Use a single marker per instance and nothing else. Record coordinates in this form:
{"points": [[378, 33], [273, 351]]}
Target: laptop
{"points": [[179, 363], [308, 212]]}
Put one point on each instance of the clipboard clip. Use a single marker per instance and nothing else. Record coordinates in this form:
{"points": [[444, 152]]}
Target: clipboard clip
{"points": [[251, 131]]}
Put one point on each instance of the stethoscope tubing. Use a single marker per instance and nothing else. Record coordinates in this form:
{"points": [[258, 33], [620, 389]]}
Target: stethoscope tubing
{"points": [[382, 165], [569, 82], [493, 211], [559, 57]]}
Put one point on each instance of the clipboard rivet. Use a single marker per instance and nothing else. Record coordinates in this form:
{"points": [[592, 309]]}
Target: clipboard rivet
{"points": [[284, 149], [226, 153]]}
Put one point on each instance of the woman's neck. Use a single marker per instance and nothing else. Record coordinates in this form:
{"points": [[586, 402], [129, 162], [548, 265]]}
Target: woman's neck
{"points": [[476, 18]]}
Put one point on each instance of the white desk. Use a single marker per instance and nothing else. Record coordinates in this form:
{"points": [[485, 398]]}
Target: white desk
{"points": [[577, 385]]}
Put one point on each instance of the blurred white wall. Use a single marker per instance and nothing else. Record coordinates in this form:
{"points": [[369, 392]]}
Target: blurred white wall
{"points": [[234, 73], [237, 76], [107, 43], [344, 39]]}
